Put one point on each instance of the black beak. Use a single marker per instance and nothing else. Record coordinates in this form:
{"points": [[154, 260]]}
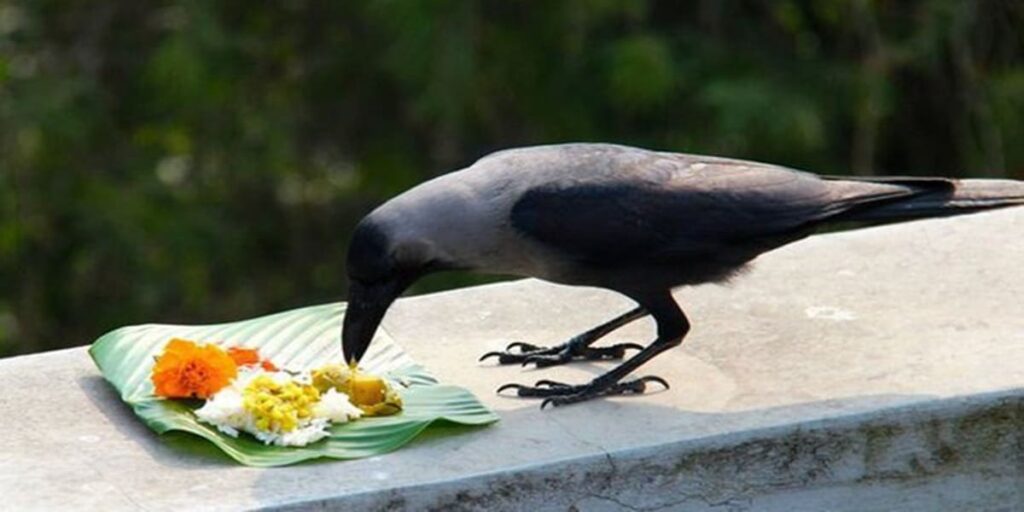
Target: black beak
{"points": [[367, 304]]}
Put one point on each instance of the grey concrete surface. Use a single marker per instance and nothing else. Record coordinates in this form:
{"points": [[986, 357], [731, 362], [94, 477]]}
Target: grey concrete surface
{"points": [[880, 369]]}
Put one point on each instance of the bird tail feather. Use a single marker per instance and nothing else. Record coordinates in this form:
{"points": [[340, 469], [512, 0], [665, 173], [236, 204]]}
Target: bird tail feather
{"points": [[935, 197]]}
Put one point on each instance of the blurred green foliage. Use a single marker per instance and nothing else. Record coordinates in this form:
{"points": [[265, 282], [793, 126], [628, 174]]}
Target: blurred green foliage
{"points": [[194, 161]]}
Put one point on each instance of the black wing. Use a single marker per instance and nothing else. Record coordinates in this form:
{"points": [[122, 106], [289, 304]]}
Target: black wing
{"points": [[682, 208]]}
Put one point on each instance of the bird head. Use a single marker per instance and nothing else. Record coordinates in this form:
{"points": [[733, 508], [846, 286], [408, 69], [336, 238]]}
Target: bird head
{"points": [[382, 263]]}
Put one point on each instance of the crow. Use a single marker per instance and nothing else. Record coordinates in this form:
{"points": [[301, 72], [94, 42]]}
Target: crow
{"points": [[635, 221]]}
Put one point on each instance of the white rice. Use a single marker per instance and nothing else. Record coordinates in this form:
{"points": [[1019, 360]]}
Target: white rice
{"points": [[225, 411], [336, 407]]}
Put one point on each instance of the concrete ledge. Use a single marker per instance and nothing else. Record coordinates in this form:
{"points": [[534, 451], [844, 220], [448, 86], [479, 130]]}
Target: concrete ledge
{"points": [[954, 454], [871, 370]]}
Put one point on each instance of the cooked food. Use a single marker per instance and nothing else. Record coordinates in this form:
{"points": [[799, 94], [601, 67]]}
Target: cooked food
{"points": [[245, 393]]}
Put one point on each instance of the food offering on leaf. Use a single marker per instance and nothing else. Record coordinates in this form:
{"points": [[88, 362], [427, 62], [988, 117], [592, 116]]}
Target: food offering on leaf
{"points": [[245, 393], [373, 395]]}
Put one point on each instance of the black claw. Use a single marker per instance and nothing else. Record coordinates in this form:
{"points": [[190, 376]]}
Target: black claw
{"points": [[635, 386], [544, 363], [557, 394], [543, 357], [510, 386], [538, 361], [545, 360], [543, 389], [489, 354], [523, 346], [655, 378]]}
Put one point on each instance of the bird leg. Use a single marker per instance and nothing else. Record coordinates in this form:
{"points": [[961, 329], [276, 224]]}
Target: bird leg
{"points": [[578, 347], [672, 327]]}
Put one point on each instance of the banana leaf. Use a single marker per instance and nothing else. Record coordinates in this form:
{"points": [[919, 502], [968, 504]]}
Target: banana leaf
{"points": [[300, 339]]}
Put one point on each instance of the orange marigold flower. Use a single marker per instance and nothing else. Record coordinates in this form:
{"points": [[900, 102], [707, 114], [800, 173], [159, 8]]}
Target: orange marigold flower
{"points": [[186, 369], [244, 356], [250, 356]]}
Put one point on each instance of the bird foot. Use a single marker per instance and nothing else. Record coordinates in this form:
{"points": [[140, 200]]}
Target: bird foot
{"points": [[558, 393], [560, 354]]}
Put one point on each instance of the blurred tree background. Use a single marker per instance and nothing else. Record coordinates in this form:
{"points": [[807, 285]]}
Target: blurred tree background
{"points": [[195, 161]]}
